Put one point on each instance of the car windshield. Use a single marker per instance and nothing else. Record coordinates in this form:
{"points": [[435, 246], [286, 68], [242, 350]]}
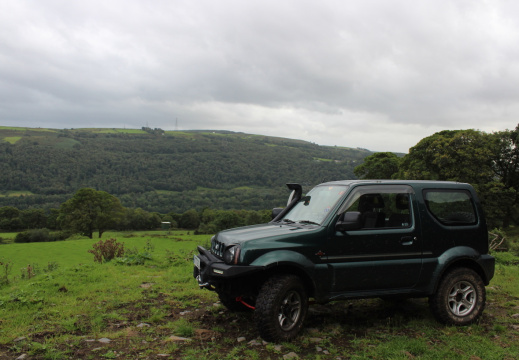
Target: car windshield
{"points": [[316, 205]]}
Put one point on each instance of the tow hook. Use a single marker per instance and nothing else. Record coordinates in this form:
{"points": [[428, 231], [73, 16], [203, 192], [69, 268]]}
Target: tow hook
{"points": [[240, 300]]}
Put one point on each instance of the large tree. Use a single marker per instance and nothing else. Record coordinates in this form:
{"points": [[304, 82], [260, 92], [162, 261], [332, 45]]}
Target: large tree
{"points": [[458, 155], [90, 210], [505, 163], [381, 165]]}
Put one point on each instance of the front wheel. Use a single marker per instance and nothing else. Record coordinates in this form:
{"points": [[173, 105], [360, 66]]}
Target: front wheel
{"points": [[281, 308], [460, 298]]}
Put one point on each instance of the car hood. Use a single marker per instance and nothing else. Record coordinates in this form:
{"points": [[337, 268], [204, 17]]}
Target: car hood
{"points": [[264, 231]]}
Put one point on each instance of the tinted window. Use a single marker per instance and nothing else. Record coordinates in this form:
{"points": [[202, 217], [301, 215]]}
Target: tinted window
{"points": [[384, 209], [451, 207]]}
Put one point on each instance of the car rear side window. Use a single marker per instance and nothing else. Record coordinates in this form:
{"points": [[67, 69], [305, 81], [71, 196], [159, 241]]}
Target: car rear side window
{"points": [[451, 207]]}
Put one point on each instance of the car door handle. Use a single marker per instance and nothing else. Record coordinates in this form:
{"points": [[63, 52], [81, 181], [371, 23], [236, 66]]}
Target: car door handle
{"points": [[408, 240]]}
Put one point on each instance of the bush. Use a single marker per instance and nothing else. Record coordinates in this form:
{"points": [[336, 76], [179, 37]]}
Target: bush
{"points": [[134, 259], [5, 269], [107, 250], [40, 235]]}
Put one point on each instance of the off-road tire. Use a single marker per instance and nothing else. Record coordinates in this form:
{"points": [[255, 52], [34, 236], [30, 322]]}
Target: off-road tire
{"points": [[281, 308], [460, 298]]}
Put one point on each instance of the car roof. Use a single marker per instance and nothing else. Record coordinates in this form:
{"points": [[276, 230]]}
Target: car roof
{"points": [[414, 183]]}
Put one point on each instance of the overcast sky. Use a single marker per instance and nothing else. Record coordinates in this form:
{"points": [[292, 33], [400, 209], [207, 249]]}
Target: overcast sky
{"points": [[374, 74]]}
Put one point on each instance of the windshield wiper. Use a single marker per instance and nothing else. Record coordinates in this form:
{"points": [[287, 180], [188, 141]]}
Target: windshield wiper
{"points": [[288, 221], [308, 222]]}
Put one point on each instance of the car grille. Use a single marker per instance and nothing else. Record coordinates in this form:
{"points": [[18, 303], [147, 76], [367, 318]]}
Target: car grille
{"points": [[217, 248]]}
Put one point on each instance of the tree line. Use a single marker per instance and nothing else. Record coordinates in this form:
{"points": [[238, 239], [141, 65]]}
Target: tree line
{"points": [[91, 211], [488, 161]]}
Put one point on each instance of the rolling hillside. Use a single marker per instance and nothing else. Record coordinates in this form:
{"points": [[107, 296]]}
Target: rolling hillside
{"points": [[162, 170]]}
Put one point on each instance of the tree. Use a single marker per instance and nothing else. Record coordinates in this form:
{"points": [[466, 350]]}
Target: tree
{"points": [[505, 163], [189, 220], [459, 155], [10, 218], [33, 218], [381, 165], [90, 210]]}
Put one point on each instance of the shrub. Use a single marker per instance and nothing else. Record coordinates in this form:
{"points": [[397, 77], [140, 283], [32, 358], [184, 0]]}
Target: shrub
{"points": [[5, 269], [498, 240], [134, 259], [40, 235], [107, 250]]}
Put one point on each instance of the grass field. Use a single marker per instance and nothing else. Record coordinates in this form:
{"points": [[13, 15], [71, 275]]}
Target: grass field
{"points": [[73, 308], [12, 139]]}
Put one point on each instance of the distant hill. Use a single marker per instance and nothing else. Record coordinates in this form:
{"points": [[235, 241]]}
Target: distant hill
{"points": [[163, 171]]}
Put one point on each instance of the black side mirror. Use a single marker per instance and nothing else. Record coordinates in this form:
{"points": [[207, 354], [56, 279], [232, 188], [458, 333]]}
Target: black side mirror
{"points": [[349, 221]]}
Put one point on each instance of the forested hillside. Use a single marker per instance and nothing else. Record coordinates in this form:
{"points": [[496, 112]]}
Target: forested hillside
{"points": [[162, 171]]}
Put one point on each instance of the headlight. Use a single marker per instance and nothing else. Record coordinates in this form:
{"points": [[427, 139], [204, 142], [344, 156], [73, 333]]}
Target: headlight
{"points": [[231, 255]]}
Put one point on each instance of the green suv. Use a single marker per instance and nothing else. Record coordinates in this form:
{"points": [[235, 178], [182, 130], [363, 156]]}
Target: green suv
{"points": [[355, 239]]}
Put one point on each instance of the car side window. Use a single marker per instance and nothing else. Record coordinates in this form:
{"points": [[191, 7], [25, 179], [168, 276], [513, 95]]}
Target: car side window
{"points": [[383, 209], [451, 207]]}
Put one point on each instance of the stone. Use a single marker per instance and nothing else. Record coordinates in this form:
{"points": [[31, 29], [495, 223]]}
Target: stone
{"points": [[290, 355], [104, 340], [143, 325], [175, 338], [204, 334], [22, 357], [241, 339]]}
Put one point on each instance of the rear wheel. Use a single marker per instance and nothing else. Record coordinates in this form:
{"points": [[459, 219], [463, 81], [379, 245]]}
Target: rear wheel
{"points": [[281, 308], [460, 298]]}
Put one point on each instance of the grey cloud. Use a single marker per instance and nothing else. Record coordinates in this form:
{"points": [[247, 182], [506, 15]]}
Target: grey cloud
{"points": [[270, 67]]}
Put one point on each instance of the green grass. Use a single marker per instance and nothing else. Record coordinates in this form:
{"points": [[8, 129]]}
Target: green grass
{"points": [[244, 188], [116, 131], [66, 143], [74, 252], [25, 129], [64, 309], [16, 193], [12, 139], [80, 296]]}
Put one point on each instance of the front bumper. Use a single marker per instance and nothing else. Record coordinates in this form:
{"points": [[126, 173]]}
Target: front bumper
{"points": [[211, 272]]}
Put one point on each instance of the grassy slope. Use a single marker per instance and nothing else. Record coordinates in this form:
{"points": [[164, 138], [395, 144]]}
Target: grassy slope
{"points": [[61, 312]]}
